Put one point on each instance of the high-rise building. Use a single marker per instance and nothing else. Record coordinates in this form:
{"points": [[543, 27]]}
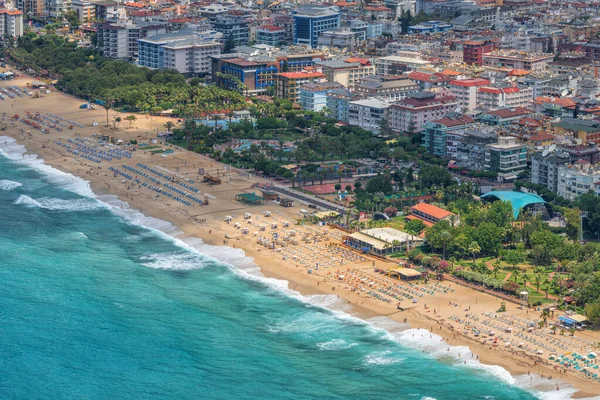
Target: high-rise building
{"points": [[11, 23], [188, 51], [30, 7], [507, 157], [234, 27], [310, 22]]}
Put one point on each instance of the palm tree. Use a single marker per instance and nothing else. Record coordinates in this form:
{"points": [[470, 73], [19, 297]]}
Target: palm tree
{"points": [[445, 238], [538, 280], [474, 249], [169, 125], [107, 104]]}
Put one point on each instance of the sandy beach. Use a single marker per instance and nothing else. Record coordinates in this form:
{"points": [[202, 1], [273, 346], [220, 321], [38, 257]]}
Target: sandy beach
{"points": [[445, 308]]}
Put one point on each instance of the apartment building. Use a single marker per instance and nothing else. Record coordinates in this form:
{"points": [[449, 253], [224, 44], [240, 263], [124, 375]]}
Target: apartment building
{"points": [[232, 26], [338, 101], [396, 65], [577, 179], [313, 96], [348, 71], [411, 114], [341, 38], [493, 98], [467, 146], [507, 157], [310, 22], [544, 168], [11, 23], [287, 84], [187, 51], [534, 62], [368, 114], [465, 90], [385, 87], [30, 7], [434, 135], [271, 35], [256, 76], [120, 40], [56, 8], [84, 9]]}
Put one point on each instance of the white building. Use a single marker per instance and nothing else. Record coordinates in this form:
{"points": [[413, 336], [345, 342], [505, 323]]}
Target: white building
{"points": [[465, 90], [507, 157], [577, 179], [120, 40], [85, 10], [187, 51], [396, 65], [368, 114], [341, 38], [11, 23], [493, 98]]}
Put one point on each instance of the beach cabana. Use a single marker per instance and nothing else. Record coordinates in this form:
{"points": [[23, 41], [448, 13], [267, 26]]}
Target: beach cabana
{"points": [[247, 215], [573, 321], [228, 218], [406, 274], [249, 198]]}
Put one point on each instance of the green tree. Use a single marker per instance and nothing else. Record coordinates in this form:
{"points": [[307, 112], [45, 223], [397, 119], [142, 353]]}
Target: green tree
{"points": [[592, 312], [229, 45], [512, 257], [169, 125], [548, 244], [381, 183], [474, 249], [414, 227], [131, 119], [445, 239]]}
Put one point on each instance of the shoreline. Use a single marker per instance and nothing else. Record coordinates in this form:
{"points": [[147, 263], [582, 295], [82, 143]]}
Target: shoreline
{"points": [[102, 183]]}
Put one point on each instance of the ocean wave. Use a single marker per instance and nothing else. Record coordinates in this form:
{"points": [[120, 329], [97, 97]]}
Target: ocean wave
{"points": [[53, 204], [173, 261], [380, 358], [245, 267], [9, 185], [335, 344], [18, 153]]}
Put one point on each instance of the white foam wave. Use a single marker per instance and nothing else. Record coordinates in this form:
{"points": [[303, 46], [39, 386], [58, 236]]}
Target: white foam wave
{"points": [[435, 346], [173, 261], [380, 358], [335, 344], [53, 204], [18, 153], [9, 185], [244, 267], [82, 235]]}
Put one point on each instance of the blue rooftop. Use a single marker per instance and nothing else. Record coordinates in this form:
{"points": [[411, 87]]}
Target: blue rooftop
{"points": [[518, 200]]}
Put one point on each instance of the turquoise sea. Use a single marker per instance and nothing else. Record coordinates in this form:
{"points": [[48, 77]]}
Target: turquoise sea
{"points": [[99, 302]]}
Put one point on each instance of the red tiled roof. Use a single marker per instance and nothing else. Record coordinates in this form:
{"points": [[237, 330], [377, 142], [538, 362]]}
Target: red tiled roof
{"points": [[474, 42], [11, 12], [427, 223], [487, 89], [363, 61], [431, 210], [373, 8], [450, 122], [240, 61], [470, 82], [508, 112], [299, 75], [450, 72], [540, 137], [271, 28]]}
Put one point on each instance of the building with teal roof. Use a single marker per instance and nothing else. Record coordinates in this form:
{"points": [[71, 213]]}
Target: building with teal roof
{"points": [[520, 201]]}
